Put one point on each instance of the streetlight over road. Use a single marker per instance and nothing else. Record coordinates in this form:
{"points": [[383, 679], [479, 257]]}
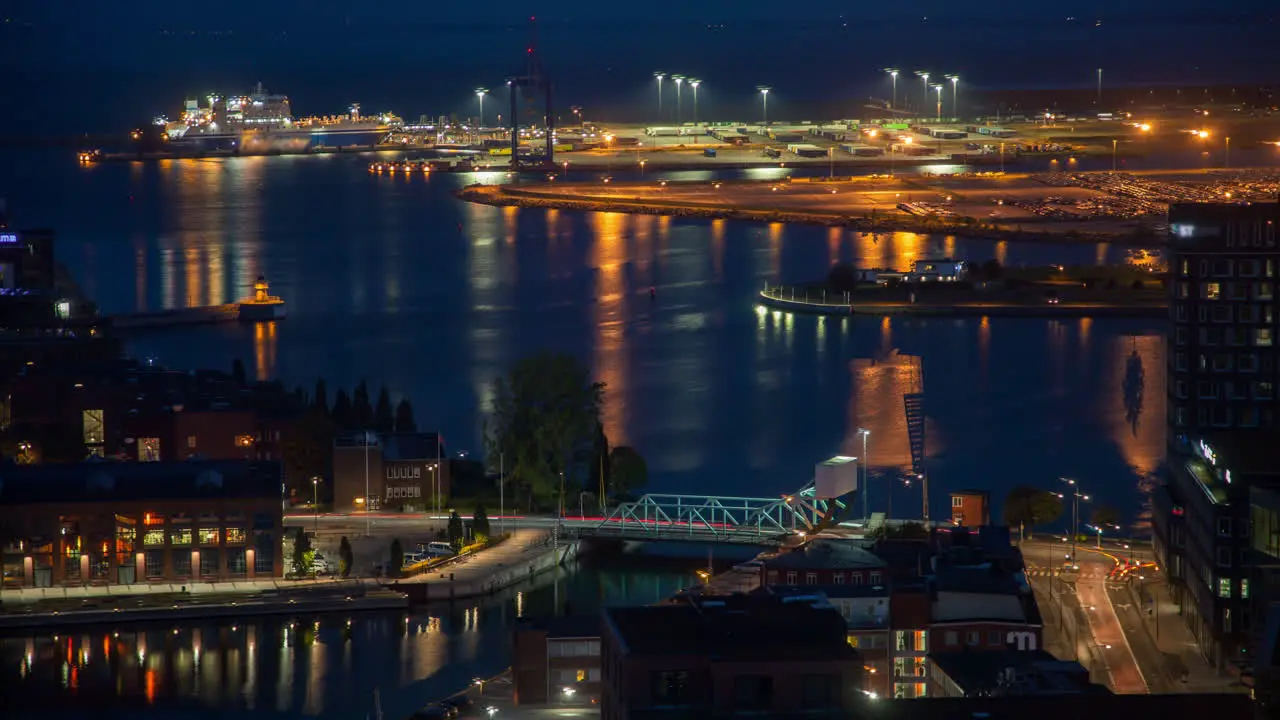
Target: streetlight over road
{"points": [[694, 83], [764, 105], [955, 95], [1076, 497], [659, 76], [893, 73], [938, 88]]}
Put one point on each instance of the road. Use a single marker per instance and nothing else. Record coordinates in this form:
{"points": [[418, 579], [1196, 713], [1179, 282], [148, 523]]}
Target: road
{"points": [[1098, 583]]}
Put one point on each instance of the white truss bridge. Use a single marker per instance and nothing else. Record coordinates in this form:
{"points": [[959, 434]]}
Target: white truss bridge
{"points": [[753, 521]]}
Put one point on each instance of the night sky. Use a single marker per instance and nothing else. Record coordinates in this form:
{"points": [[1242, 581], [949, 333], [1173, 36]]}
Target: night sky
{"points": [[99, 66]]}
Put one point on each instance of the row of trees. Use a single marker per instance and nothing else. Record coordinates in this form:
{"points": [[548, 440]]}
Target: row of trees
{"points": [[307, 446], [1031, 507], [544, 430]]}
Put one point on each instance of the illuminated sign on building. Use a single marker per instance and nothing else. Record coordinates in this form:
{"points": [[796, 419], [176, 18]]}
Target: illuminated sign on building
{"points": [[1205, 451], [1023, 640], [9, 239]]}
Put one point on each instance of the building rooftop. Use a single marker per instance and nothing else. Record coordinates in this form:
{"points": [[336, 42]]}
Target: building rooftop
{"points": [[1067, 707], [1014, 672], [574, 626], [1242, 451], [825, 554], [106, 481], [738, 627]]}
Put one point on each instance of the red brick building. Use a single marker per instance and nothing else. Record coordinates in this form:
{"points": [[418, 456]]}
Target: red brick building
{"points": [[403, 472], [715, 657], [970, 508], [824, 563], [121, 523], [557, 661]]}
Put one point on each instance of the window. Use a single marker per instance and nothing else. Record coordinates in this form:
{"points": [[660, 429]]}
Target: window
{"points": [[957, 501], [191, 442], [837, 578], [181, 562], [1212, 291], [1226, 620], [91, 422], [752, 692], [1224, 587], [1244, 588], [1262, 337], [772, 577], [1224, 557], [152, 519], [180, 536], [1182, 289], [909, 667], [153, 538], [820, 692], [1262, 291], [149, 449], [972, 638], [1263, 390], [209, 561], [811, 578], [855, 578], [1248, 362], [1249, 268], [1249, 313], [875, 578], [1224, 527], [1180, 336], [791, 577], [264, 551], [1180, 389], [953, 638], [1222, 313], [235, 536], [208, 536], [236, 564], [670, 687], [994, 639], [153, 563]]}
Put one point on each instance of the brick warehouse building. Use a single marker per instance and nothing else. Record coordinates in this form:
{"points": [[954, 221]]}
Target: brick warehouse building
{"points": [[404, 471], [107, 523]]}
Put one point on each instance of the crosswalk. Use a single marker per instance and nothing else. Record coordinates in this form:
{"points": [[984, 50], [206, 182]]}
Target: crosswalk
{"points": [[1086, 573]]}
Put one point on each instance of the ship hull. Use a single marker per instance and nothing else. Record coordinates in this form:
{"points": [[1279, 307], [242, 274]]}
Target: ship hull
{"points": [[300, 140]]}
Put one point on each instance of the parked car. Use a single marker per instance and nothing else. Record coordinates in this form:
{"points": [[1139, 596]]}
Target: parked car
{"points": [[320, 565]]}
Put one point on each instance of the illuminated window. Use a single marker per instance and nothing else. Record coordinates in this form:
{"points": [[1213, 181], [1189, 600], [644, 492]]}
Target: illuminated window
{"points": [[235, 536], [1224, 587], [91, 423], [180, 536], [1244, 589], [149, 449], [582, 675], [152, 519], [208, 536], [244, 441], [1262, 337], [153, 538], [191, 442]]}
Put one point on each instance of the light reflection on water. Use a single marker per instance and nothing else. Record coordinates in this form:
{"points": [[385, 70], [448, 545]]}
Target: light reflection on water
{"points": [[398, 283], [314, 666]]}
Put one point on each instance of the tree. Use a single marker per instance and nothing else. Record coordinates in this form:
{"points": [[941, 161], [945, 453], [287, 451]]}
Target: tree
{"points": [[302, 553], [306, 448], [346, 558], [480, 523], [395, 567], [1030, 506], [843, 277], [404, 417], [320, 398], [629, 472], [1105, 516], [343, 418], [456, 538], [361, 409], [543, 415], [992, 270], [237, 372], [384, 421]]}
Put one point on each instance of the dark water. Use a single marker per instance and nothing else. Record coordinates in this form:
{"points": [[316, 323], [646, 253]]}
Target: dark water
{"points": [[315, 666], [393, 280]]}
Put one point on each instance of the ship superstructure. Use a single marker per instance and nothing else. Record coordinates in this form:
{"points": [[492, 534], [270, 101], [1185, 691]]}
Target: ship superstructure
{"points": [[263, 121]]}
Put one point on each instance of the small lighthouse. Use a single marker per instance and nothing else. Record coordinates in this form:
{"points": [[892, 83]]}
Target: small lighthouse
{"points": [[263, 305]]}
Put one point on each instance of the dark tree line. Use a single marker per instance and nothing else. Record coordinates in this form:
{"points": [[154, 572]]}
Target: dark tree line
{"points": [[307, 447]]}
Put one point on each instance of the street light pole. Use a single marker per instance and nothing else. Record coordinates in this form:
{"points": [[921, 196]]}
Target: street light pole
{"points": [[939, 89], [1099, 89], [924, 78], [679, 82], [955, 95], [1227, 161], [659, 76], [315, 502], [893, 74], [1114, 144], [764, 106], [1076, 497], [865, 467], [694, 84], [480, 93]]}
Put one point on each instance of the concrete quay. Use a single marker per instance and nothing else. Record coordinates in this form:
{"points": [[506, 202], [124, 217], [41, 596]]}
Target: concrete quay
{"points": [[94, 605], [1026, 309], [526, 553]]}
